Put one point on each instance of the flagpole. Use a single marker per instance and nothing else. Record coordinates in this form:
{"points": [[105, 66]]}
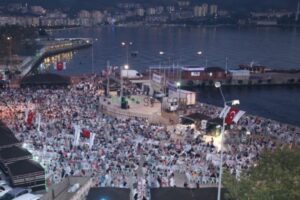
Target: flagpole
{"points": [[233, 102], [218, 85], [108, 74], [221, 159]]}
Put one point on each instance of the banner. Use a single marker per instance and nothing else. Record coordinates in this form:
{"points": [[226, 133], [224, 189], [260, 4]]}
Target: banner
{"points": [[157, 78], [172, 86]]}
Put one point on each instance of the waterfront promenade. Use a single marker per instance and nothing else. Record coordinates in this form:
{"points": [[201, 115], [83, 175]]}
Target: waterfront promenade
{"points": [[52, 47]]}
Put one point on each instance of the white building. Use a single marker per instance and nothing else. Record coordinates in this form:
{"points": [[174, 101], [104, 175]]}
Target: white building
{"points": [[213, 10], [39, 10], [198, 11], [205, 9], [140, 12], [97, 17], [151, 11], [183, 3], [84, 14], [21, 21]]}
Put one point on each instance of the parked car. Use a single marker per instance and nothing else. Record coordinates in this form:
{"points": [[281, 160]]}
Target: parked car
{"points": [[28, 196], [16, 192], [4, 189]]}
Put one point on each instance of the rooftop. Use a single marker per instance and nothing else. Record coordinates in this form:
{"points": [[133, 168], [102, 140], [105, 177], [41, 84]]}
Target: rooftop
{"points": [[28, 167], [13, 153], [7, 137]]}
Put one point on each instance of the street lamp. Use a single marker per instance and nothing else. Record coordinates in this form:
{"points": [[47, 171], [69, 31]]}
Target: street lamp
{"points": [[233, 102], [126, 67], [127, 45], [9, 39], [93, 40]]}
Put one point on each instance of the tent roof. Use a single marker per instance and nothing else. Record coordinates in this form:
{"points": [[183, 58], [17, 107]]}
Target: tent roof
{"points": [[14, 152], [7, 137], [27, 167], [45, 79]]}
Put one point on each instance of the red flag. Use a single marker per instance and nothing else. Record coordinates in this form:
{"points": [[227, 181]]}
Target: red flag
{"points": [[30, 118], [233, 115], [230, 115], [60, 66], [86, 133]]}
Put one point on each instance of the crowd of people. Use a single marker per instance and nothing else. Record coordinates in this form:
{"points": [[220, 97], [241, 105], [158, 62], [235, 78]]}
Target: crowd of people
{"points": [[128, 152]]}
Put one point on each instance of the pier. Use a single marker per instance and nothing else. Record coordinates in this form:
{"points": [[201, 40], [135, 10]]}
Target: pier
{"points": [[53, 47], [192, 77]]}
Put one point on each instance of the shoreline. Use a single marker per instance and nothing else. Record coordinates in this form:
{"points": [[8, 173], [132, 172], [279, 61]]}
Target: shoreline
{"points": [[174, 25]]}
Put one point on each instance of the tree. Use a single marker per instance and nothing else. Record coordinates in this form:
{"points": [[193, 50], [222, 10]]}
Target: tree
{"points": [[276, 177]]}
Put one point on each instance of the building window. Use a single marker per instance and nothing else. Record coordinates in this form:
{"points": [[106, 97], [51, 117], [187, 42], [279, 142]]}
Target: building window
{"points": [[195, 73]]}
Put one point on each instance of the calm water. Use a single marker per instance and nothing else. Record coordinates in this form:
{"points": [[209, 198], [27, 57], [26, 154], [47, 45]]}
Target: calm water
{"points": [[273, 47]]}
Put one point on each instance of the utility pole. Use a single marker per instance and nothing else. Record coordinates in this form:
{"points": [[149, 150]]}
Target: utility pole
{"points": [[9, 39], [298, 12], [107, 78], [226, 65]]}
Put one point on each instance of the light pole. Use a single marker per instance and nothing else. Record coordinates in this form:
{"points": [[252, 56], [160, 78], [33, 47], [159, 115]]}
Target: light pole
{"points": [[199, 53], [226, 66], [9, 39], [178, 84], [93, 41], [107, 78], [234, 102], [126, 67], [127, 45]]}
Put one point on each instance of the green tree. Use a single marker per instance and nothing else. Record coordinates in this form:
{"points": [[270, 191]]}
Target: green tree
{"points": [[275, 177]]}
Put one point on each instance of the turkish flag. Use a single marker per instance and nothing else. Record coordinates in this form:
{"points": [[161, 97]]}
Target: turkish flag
{"points": [[86, 133], [59, 66], [30, 118], [230, 115]]}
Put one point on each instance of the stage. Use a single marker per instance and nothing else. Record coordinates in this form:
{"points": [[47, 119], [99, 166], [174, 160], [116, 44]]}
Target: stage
{"points": [[139, 106]]}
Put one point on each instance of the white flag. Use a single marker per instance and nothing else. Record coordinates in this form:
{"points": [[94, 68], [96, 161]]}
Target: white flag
{"points": [[238, 116], [76, 135], [224, 112], [26, 114], [92, 138], [39, 118]]}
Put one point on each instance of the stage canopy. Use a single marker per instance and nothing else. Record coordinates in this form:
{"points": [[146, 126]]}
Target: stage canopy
{"points": [[13, 154], [27, 173], [45, 80], [7, 138], [184, 193], [108, 194]]}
